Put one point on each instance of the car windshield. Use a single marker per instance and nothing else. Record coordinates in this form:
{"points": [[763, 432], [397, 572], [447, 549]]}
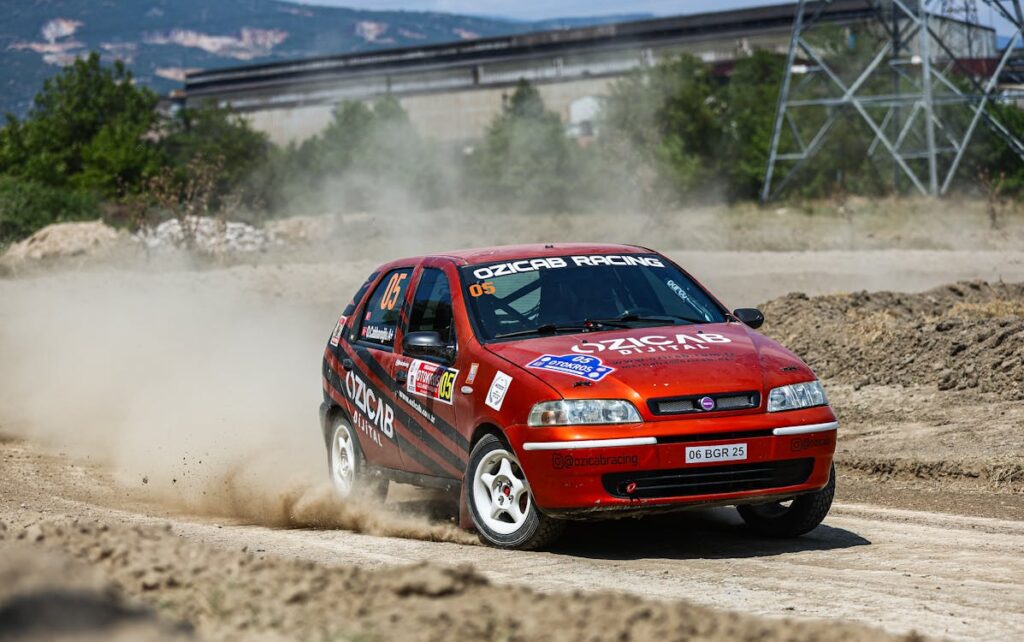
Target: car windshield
{"points": [[581, 293]]}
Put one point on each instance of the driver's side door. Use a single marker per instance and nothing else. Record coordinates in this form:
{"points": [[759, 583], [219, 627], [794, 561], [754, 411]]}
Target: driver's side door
{"points": [[426, 386]]}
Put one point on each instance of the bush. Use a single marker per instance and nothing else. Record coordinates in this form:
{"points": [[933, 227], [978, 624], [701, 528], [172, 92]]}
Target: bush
{"points": [[369, 156], [525, 161], [748, 116], [213, 137], [27, 206], [87, 128], [669, 116]]}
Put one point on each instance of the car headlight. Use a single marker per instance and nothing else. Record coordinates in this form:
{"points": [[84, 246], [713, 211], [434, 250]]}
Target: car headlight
{"points": [[572, 412], [796, 395]]}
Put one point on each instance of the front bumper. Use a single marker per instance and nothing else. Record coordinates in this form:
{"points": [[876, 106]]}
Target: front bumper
{"points": [[587, 470]]}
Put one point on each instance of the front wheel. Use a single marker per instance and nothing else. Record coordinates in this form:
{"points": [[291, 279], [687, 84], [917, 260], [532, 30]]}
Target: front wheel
{"points": [[500, 501], [793, 518], [349, 474]]}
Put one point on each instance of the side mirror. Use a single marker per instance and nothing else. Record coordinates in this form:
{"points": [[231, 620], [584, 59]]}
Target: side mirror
{"points": [[427, 344], [750, 316]]}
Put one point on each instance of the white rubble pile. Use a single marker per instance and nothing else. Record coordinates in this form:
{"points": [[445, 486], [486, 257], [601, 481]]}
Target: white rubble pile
{"points": [[207, 235]]}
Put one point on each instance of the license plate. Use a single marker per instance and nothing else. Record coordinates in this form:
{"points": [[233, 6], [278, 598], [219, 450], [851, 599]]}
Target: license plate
{"points": [[721, 452]]}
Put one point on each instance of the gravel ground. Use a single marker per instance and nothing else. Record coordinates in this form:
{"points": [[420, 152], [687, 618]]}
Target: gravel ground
{"points": [[186, 397], [232, 595]]}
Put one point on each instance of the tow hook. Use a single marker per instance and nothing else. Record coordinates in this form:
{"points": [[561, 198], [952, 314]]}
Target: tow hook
{"points": [[628, 488]]}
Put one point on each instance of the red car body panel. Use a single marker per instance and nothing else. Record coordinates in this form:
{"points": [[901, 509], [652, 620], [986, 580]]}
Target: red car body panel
{"points": [[432, 439]]}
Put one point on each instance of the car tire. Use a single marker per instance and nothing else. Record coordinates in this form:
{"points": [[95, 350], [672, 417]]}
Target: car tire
{"points": [[500, 501], [347, 467], [802, 515]]}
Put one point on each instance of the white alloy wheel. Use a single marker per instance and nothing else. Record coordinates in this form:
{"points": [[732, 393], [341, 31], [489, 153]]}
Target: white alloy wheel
{"points": [[500, 493], [343, 460]]}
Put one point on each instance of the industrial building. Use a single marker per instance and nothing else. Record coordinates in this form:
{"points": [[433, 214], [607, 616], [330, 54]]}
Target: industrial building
{"points": [[452, 91]]}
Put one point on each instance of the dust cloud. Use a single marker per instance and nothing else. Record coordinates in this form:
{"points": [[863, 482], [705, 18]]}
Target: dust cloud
{"points": [[197, 393]]}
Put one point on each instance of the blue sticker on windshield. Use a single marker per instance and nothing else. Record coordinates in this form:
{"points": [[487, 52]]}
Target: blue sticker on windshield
{"points": [[577, 365]]}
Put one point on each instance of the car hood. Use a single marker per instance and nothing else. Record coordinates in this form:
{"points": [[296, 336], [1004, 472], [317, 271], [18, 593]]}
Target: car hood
{"points": [[655, 362]]}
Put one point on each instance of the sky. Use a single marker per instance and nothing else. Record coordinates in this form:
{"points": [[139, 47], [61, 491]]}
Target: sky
{"points": [[539, 9]]}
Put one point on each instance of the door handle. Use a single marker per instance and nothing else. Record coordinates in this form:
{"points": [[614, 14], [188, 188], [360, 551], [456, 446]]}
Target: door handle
{"points": [[347, 364], [401, 376]]}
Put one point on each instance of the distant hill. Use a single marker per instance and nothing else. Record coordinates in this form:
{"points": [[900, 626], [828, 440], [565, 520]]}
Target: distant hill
{"points": [[163, 39]]}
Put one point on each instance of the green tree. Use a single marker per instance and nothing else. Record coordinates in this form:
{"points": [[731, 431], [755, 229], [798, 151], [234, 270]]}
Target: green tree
{"points": [[369, 156], [525, 160], [26, 206], [217, 140], [117, 161], [748, 115], [345, 138], [669, 116], [87, 129], [992, 159]]}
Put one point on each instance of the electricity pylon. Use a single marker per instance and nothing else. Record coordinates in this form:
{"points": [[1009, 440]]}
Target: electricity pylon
{"points": [[921, 96]]}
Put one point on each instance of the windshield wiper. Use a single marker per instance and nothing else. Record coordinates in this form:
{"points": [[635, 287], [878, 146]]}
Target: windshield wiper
{"points": [[628, 317], [593, 324], [587, 325], [547, 328]]}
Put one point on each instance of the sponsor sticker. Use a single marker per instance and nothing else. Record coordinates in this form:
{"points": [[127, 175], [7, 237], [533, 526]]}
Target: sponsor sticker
{"points": [[432, 381], [682, 294], [798, 444], [567, 461], [380, 333], [415, 405], [498, 390], [576, 365], [653, 343], [552, 263], [336, 335], [471, 377], [375, 415]]}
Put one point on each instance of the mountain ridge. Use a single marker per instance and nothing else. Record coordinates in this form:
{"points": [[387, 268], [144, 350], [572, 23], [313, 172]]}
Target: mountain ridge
{"points": [[162, 40]]}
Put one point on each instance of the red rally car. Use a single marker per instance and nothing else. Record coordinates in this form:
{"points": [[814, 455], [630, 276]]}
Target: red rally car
{"points": [[571, 381]]}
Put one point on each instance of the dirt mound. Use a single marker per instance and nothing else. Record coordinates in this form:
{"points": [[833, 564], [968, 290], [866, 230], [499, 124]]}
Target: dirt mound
{"points": [[966, 336], [302, 230], [240, 595], [49, 596], [92, 239]]}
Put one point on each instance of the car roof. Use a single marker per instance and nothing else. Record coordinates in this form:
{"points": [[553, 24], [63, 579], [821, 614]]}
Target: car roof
{"points": [[525, 251]]}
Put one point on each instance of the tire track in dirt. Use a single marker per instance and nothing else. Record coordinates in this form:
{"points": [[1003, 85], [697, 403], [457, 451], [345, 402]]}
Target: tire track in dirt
{"points": [[902, 570]]}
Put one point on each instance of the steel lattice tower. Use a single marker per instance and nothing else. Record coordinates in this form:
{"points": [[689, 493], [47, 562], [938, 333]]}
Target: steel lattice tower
{"points": [[919, 94]]}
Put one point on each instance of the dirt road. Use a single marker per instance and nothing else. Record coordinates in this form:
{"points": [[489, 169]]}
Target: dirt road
{"points": [[140, 398], [904, 571], [900, 570]]}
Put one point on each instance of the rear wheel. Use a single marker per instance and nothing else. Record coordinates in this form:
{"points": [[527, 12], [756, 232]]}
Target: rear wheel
{"points": [[791, 518], [349, 474], [500, 501]]}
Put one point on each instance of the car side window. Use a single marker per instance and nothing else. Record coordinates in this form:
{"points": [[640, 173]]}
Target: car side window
{"points": [[381, 314], [351, 307], [432, 306]]}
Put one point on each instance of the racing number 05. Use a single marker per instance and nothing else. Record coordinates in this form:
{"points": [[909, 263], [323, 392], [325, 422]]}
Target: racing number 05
{"points": [[480, 289], [390, 298]]}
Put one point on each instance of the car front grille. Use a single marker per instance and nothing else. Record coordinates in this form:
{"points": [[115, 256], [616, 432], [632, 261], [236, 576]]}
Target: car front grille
{"points": [[691, 403], [709, 480]]}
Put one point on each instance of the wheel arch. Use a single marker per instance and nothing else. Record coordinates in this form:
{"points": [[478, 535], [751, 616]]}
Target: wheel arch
{"points": [[332, 412], [487, 428]]}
